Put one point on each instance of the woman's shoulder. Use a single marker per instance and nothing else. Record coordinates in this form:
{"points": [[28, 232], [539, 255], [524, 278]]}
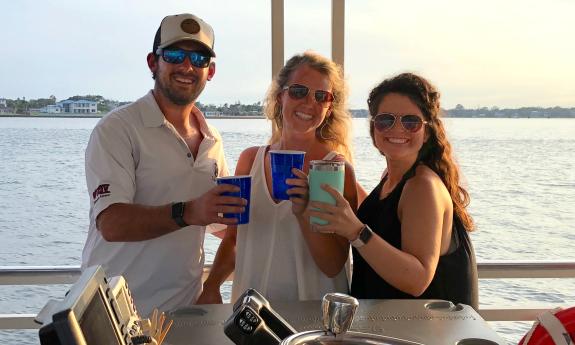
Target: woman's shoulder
{"points": [[425, 189], [422, 171], [246, 160], [250, 152], [424, 181]]}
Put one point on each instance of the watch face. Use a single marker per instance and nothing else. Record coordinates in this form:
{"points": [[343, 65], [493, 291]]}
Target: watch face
{"points": [[179, 209], [178, 213], [365, 234]]}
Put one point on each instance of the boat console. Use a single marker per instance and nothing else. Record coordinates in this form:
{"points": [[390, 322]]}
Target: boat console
{"points": [[94, 311], [101, 311], [430, 322]]}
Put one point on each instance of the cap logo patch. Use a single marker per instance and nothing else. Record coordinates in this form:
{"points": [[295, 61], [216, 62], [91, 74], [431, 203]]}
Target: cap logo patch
{"points": [[190, 26]]}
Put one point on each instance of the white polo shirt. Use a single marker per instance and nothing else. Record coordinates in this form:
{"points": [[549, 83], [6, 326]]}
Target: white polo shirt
{"points": [[136, 156]]}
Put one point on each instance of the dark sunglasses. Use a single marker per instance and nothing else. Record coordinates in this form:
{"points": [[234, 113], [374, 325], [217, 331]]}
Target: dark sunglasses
{"points": [[177, 56], [297, 91], [386, 121]]}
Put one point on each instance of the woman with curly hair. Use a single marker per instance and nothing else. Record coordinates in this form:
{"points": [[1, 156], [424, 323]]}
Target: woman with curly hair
{"points": [[410, 234], [277, 253]]}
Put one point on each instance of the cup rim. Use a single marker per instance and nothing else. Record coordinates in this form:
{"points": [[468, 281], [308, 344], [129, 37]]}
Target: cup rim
{"points": [[326, 162], [233, 177], [287, 152]]}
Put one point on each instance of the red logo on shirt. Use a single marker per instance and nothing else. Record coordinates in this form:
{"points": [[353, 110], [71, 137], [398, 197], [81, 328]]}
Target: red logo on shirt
{"points": [[101, 191]]}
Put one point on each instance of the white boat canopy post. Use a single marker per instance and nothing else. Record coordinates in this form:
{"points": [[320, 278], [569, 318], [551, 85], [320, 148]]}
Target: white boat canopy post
{"points": [[337, 33]]}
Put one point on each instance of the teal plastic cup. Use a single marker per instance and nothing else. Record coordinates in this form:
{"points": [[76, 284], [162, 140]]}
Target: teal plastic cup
{"points": [[282, 161], [325, 172], [245, 184]]}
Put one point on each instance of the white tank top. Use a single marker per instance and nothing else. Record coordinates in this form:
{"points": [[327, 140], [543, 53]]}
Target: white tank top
{"points": [[271, 253]]}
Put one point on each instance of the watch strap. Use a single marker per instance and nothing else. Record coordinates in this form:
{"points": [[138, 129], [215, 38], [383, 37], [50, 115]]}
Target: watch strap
{"points": [[178, 213], [363, 237]]}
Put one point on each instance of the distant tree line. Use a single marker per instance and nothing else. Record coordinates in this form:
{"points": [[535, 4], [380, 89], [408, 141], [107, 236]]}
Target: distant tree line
{"points": [[494, 112], [552, 112], [234, 109], [23, 106]]}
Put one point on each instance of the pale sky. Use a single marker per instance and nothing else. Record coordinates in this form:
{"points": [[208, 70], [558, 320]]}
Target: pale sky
{"points": [[505, 53]]}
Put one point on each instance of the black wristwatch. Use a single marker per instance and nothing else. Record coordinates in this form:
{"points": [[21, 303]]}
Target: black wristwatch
{"points": [[363, 237], [178, 213]]}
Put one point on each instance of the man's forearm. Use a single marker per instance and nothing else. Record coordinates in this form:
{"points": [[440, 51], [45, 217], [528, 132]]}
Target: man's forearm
{"points": [[130, 222]]}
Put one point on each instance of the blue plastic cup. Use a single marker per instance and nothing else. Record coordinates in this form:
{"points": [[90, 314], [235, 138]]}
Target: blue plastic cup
{"points": [[282, 162], [245, 184]]}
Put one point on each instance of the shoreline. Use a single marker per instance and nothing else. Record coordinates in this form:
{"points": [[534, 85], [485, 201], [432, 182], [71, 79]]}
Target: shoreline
{"points": [[233, 117], [100, 116]]}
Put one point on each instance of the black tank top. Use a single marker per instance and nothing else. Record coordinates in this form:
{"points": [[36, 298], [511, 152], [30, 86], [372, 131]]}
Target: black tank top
{"points": [[455, 278]]}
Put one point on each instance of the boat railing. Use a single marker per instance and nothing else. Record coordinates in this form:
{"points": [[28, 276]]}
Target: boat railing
{"points": [[46, 275]]}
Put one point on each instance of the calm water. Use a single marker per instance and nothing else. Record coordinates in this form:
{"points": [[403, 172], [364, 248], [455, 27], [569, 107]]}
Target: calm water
{"points": [[520, 174]]}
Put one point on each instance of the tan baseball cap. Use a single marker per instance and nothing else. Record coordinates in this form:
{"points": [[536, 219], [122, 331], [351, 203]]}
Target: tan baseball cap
{"points": [[184, 27]]}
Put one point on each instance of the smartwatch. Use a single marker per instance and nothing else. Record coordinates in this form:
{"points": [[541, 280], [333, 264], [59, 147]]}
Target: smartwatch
{"points": [[363, 237], [178, 213]]}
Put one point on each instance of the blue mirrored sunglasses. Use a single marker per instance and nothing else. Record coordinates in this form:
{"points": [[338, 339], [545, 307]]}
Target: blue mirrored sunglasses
{"points": [[177, 56]]}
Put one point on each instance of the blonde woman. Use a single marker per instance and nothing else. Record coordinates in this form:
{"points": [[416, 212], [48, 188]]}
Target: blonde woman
{"points": [[277, 253]]}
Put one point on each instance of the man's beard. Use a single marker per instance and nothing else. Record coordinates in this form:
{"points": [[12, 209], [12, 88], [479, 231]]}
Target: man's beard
{"points": [[180, 97]]}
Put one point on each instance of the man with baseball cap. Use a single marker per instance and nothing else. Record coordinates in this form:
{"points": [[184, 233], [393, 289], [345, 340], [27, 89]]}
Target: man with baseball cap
{"points": [[151, 170]]}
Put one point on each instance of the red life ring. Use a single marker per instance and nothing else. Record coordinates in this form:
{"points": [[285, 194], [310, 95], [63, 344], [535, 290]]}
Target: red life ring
{"points": [[541, 332]]}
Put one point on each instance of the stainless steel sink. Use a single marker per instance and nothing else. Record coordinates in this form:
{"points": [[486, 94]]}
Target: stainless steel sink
{"points": [[348, 338]]}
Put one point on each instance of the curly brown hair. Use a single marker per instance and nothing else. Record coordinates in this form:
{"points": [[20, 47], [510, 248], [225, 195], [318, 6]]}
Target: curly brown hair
{"points": [[436, 152], [335, 130]]}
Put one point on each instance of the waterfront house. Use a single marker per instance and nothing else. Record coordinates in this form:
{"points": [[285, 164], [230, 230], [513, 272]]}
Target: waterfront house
{"points": [[78, 107], [6, 110], [212, 113], [52, 109], [3, 103]]}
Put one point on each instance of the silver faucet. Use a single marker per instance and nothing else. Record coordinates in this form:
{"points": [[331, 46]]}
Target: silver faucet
{"points": [[338, 311]]}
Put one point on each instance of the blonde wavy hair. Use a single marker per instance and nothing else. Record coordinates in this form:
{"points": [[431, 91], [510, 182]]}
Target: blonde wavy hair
{"points": [[335, 130]]}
